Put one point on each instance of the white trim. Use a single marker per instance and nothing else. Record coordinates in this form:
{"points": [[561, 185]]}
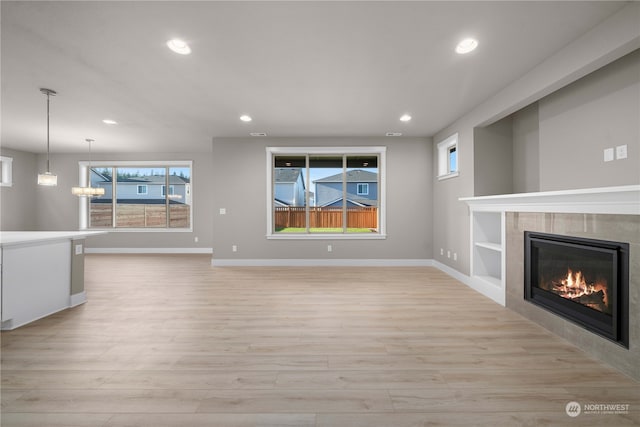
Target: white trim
{"points": [[326, 236], [380, 151], [604, 200], [77, 299], [148, 250], [321, 262]]}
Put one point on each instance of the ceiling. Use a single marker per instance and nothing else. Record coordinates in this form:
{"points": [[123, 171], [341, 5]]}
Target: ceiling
{"points": [[312, 69]]}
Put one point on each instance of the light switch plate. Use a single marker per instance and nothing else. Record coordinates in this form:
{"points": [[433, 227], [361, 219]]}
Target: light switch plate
{"points": [[608, 154], [223, 211]]}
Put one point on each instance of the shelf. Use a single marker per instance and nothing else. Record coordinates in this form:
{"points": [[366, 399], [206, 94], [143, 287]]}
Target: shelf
{"points": [[488, 245]]}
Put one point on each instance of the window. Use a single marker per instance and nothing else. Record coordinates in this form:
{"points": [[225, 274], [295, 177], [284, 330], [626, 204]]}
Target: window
{"points": [[327, 191], [135, 196], [6, 171], [448, 157], [171, 190]]}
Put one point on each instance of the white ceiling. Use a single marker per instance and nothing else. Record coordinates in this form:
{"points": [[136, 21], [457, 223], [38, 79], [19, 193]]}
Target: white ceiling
{"points": [[298, 68]]}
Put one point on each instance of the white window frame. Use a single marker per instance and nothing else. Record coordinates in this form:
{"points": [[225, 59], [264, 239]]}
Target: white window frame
{"points": [[83, 179], [365, 186], [444, 164], [142, 193], [6, 180], [380, 151]]}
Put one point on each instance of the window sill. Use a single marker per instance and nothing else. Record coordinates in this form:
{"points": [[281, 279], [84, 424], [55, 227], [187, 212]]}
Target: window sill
{"points": [[447, 176], [327, 236], [140, 230]]}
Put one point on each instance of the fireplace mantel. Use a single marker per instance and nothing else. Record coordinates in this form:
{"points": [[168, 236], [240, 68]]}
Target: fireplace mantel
{"points": [[603, 200]]}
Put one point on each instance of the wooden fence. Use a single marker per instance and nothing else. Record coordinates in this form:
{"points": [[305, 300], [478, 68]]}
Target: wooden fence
{"points": [[294, 217], [140, 215]]}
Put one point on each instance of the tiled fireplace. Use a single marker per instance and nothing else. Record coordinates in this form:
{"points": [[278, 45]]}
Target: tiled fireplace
{"points": [[603, 341], [583, 283]]}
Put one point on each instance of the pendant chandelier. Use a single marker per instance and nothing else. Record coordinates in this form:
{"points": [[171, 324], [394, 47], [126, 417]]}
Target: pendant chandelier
{"points": [[88, 191], [48, 178]]}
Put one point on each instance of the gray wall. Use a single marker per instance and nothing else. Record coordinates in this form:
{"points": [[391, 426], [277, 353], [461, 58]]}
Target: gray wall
{"points": [[493, 158], [19, 203], [526, 150], [239, 186], [59, 209], [579, 121]]}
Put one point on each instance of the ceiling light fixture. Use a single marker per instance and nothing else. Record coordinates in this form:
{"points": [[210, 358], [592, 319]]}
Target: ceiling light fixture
{"points": [[48, 178], [109, 122], [245, 118], [179, 46], [88, 191], [466, 46], [405, 118]]}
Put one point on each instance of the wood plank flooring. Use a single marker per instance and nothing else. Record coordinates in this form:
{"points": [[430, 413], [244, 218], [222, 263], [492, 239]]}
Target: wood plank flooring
{"points": [[170, 341]]}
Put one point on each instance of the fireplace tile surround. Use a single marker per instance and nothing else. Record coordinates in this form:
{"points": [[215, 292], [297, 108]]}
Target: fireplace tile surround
{"points": [[624, 228]]}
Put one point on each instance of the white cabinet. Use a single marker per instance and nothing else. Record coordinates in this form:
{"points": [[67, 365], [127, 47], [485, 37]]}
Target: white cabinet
{"points": [[488, 254]]}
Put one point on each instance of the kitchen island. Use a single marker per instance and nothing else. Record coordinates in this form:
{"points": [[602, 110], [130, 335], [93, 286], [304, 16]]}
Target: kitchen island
{"points": [[42, 273]]}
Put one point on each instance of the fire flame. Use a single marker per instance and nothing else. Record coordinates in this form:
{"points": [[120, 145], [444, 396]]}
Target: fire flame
{"points": [[575, 286]]}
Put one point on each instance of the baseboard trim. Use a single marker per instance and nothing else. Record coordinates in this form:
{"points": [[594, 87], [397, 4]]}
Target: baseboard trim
{"points": [[148, 250], [321, 262], [492, 292], [77, 299]]}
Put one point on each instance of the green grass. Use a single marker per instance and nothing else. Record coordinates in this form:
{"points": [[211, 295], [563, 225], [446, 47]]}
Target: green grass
{"points": [[322, 230]]}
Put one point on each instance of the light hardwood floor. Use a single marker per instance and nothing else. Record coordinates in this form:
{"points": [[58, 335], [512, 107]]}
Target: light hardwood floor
{"points": [[171, 341]]}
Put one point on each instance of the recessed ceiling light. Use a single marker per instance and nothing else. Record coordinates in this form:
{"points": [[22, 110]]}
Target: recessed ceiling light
{"points": [[245, 118], [179, 46], [405, 118], [109, 122], [258, 134], [466, 46], [394, 134]]}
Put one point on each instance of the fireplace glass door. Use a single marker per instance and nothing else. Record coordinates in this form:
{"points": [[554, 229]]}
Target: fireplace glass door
{"points": [[583, 280]]}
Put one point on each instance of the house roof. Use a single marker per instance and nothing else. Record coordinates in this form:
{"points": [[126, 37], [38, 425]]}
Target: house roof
{"points": [[284, 175], [358, 202], [155, 179], [356, 175]]}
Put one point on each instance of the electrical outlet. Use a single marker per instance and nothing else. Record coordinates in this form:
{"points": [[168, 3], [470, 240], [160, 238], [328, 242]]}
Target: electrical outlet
{"points": [[234, 248], [195, 239], [223, 211], [448, 254], [78, 249], [329, 248], [455, 256], [441, 251]]}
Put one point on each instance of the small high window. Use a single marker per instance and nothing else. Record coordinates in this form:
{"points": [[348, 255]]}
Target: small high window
{"points": [[362, 189], [142, 189], [448, 157]]}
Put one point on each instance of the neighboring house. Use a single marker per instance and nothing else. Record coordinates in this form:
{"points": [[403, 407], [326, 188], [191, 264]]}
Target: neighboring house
{"points": [[289, 187], [150, 189], [362, 189]]}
